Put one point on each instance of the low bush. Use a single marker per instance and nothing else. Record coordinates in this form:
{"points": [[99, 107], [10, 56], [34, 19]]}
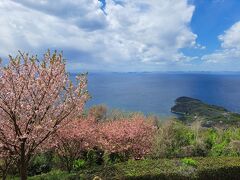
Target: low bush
{"points": [[79, 164], [173, 139], [219, 168], [41, 163], [176, 139], [189, 161], [196, 168], [56, 175], [206, 168]]}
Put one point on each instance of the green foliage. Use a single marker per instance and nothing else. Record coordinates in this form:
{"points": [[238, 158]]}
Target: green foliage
{"points": [[113, 158], [189, 161], [191, 109], [173, 139], [94, 157], [203, 168], [103, 172], [211, 138], [79, 164], [56, 175], [41, 163], [219, 168], [223, 142], [218, 149], [118, 157]]}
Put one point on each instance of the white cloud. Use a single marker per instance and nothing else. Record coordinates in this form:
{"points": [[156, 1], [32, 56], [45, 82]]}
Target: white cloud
{"points": [[231, 37], [86, 14], [230, 46], [127, 34]]}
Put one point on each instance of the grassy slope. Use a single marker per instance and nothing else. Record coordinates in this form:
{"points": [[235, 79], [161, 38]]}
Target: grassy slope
{"points": [[204, 168]]}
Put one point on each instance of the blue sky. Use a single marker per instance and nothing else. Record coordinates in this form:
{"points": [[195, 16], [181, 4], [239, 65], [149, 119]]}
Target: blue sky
{"points": [[211, 18], [126, 35]]}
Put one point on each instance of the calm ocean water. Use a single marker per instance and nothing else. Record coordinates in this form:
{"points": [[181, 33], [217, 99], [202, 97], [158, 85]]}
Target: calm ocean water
{"points": [[156, 92]]}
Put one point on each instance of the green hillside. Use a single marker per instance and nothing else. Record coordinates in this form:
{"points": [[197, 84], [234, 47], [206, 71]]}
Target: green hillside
{"points": [[190, 109]]}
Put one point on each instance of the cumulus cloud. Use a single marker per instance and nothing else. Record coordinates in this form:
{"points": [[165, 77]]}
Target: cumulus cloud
{"points": [[230, 46], [125, 34], [230, 39]]}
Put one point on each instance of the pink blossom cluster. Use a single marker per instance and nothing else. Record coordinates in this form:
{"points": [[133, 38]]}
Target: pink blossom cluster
{"points": [[133, 136], [75, 137]]}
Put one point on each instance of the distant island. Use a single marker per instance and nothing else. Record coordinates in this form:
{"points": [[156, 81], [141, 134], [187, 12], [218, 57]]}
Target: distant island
{"points": [[189, 109]]}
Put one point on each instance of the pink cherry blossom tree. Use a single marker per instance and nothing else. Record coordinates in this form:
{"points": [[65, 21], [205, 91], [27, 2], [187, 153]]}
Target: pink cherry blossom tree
{"points": [[73, 139], [36, 97], [131, 136]]}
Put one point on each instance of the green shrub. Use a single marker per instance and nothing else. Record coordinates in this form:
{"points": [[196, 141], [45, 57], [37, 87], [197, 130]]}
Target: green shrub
{"points": [[219, 168], [197, 168], [211, 138], [173, 139], [79, 164], [218, 149], [41, 163], [223, 142], [94, 157], [56, 175], [189, 161]]}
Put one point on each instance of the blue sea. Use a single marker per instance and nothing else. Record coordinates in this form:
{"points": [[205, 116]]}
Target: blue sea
{"points": [[156, 92]]}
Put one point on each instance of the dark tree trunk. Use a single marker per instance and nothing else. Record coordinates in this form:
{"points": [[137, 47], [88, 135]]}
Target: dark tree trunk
{"points": [[23, 171], [4, 176], [23, 163]]}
